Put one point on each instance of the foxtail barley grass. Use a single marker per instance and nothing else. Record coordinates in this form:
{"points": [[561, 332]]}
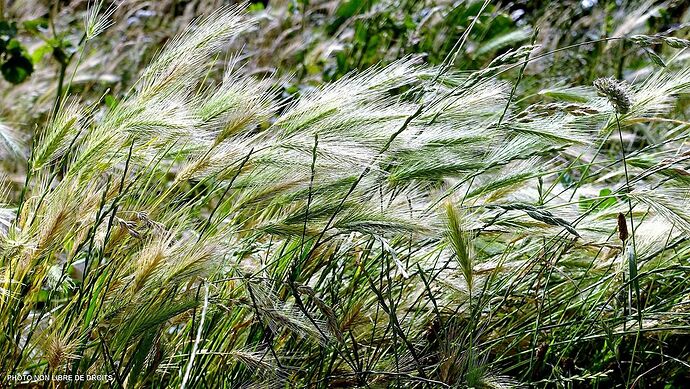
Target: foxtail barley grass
{"points": [[406, 225]]}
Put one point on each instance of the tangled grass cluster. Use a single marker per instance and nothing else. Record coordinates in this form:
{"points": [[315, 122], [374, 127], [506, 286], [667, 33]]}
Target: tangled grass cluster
{"points": [[407, 225]]}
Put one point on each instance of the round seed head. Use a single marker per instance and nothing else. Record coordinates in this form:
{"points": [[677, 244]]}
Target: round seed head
{"points": [[617, 92]]}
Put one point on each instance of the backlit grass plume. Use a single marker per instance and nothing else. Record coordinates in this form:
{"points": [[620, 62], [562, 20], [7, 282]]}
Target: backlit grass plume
{"points": [[406, 225]]}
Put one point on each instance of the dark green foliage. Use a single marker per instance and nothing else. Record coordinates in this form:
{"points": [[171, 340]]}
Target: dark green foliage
{"points": [[15, 64]]}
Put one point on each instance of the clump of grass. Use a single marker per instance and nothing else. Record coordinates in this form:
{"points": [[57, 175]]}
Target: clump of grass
{"points": [[406, 225]]}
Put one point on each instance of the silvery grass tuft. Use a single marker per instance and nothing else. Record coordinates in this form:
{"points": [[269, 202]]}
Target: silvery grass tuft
{"points": [[404, 225]]}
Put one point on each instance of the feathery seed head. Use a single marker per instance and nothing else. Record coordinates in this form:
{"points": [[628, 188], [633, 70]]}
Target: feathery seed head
{"points": [[94, 24], [59, 350]]}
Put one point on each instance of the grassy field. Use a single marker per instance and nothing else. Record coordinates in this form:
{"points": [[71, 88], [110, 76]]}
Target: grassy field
{"points": [[356, 193]]}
